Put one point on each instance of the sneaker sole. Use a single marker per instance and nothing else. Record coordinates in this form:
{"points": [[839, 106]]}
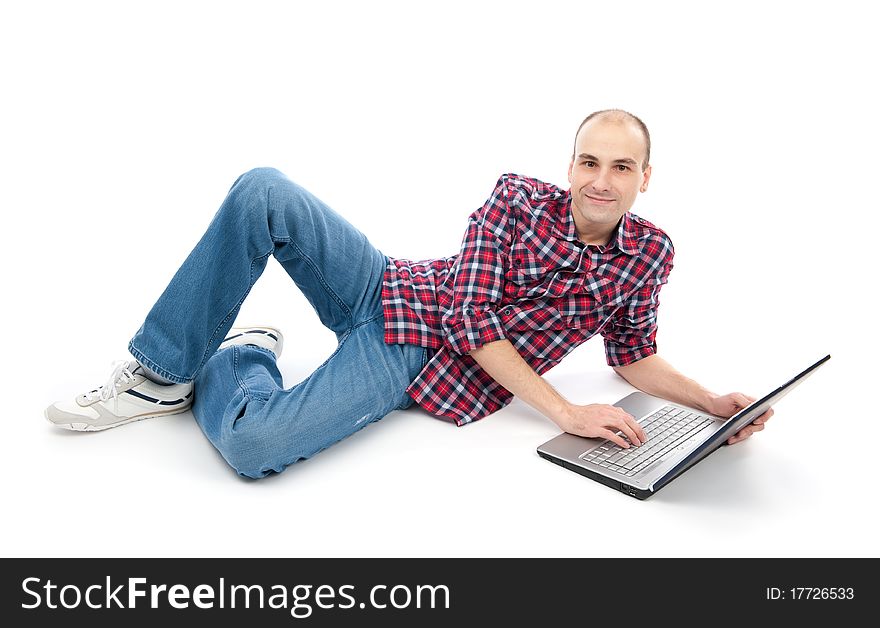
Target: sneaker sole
{"points": [[76, 426], [279, 344]]}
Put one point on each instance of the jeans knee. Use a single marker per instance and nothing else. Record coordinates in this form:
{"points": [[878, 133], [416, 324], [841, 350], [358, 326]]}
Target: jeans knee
{"points": [[262, 177], [246, 209], [247, 458], [256, 183], [254, 454]]}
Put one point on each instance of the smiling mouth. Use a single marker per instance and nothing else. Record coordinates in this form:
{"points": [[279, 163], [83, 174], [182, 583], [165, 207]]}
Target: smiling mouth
{"points": [[599, 199]]}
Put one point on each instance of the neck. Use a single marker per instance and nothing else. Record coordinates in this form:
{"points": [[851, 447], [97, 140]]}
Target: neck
{"points": [[589, 232], [596, 233], [599, 238]]}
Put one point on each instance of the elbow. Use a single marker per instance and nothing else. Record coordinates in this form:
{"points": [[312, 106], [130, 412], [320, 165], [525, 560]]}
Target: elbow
{"points": [[621, 372]]}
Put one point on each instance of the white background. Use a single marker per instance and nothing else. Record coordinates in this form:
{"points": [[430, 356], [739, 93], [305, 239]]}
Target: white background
{"points": [[123, 126]]}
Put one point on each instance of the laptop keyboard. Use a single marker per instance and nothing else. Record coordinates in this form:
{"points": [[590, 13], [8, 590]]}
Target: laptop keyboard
{"points": [[666, 429]]}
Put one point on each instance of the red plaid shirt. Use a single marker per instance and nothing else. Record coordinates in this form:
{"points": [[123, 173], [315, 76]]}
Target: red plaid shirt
{"points": [[523, 274]]}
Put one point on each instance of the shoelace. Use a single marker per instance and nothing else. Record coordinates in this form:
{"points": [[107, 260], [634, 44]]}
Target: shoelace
{"points": [[121, 375]]}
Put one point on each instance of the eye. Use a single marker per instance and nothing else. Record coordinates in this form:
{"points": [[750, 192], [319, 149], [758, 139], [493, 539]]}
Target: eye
{"points": [[589, 164], [622, 168]]}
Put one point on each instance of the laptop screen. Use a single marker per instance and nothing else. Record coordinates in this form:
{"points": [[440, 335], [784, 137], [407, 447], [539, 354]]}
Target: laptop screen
{"points": [[737, 422]]}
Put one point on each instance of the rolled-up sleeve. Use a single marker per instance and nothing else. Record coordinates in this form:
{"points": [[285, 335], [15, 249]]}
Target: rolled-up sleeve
{"points": [[478, 285], [631, 333]]}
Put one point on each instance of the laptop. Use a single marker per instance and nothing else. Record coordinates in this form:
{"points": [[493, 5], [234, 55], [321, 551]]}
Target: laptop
{"points": [[678, 438]]}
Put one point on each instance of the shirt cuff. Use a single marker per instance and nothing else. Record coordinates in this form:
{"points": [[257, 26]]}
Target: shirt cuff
{"points": [[473, 329], [617, 355]]}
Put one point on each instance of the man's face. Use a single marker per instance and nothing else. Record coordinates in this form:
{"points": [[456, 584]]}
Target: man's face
{"points": [[606, 175]]}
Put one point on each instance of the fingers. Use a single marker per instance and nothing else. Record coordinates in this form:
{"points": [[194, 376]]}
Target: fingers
{"points": [[630, 428], [613, 423], [741, 400], [764, 417], [614, 437], [617, 424], [630, 433], [637, 428], [747, 431], [755, 426]]}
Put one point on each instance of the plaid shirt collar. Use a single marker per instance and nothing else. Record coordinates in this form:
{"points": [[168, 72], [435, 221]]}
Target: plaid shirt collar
{"points": [[625, 238]]}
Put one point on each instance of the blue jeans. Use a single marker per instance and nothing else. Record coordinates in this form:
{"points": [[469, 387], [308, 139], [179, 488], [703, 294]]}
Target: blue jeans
{"points": [[239, 401]]}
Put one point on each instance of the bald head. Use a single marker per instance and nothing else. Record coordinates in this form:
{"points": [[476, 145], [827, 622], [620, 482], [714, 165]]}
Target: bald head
{"points": [[621, 117]]}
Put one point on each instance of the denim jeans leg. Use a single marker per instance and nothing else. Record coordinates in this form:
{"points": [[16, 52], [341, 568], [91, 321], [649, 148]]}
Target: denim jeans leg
{"points": [[264, 214], [239, 401], [259, 428]]}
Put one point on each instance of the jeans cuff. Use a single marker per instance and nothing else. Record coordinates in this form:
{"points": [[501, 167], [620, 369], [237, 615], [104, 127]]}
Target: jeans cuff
{"points": [[158, 370]]}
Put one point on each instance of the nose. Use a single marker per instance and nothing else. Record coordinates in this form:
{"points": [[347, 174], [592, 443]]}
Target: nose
{"points": [[600, 183]]}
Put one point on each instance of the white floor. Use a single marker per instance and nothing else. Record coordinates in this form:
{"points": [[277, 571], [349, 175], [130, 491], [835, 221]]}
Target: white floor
{"points": [[122, 133], [412, 485]]}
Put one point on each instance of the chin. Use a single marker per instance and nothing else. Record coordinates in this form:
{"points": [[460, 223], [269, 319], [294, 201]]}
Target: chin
{"points": [[600, 216]]}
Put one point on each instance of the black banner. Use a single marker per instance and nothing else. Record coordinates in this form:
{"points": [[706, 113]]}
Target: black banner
{"points": [[317, 592]]}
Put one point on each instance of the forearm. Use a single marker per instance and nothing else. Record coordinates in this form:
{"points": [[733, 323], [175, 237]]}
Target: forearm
{"points": [[655, 376], [507, 367]]}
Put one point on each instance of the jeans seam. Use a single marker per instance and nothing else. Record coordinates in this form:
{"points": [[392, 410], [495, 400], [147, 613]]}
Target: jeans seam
{"points": [[308, 260], [235, 375], [274, 237], [320, 277], [368, 321], [251, 282], [235, 309]]}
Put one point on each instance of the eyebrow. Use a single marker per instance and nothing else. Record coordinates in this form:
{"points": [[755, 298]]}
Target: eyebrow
{"points": [[627, 160]]}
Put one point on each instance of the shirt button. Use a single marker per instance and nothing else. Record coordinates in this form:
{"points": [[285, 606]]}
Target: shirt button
{"points": [[469, 311], [517, 261]]}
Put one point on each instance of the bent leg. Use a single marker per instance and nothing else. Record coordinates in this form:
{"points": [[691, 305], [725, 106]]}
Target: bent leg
{"points": [[260, 428], [264, 214], [335, 266]]}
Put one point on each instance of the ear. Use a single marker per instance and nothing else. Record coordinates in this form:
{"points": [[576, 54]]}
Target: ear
{"points": [[570, 166], [645, 179]]}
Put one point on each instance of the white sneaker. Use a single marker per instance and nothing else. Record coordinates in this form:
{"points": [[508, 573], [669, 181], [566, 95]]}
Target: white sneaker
{"points": [[127, 396], [265, 337], [130, 396]]}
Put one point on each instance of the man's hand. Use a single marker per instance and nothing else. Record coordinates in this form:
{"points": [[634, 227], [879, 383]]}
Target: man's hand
{"points": [[728, 405], [603, 421]]}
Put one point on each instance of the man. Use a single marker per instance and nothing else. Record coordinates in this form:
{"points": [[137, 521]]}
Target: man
{"points": [[540, 271]]}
